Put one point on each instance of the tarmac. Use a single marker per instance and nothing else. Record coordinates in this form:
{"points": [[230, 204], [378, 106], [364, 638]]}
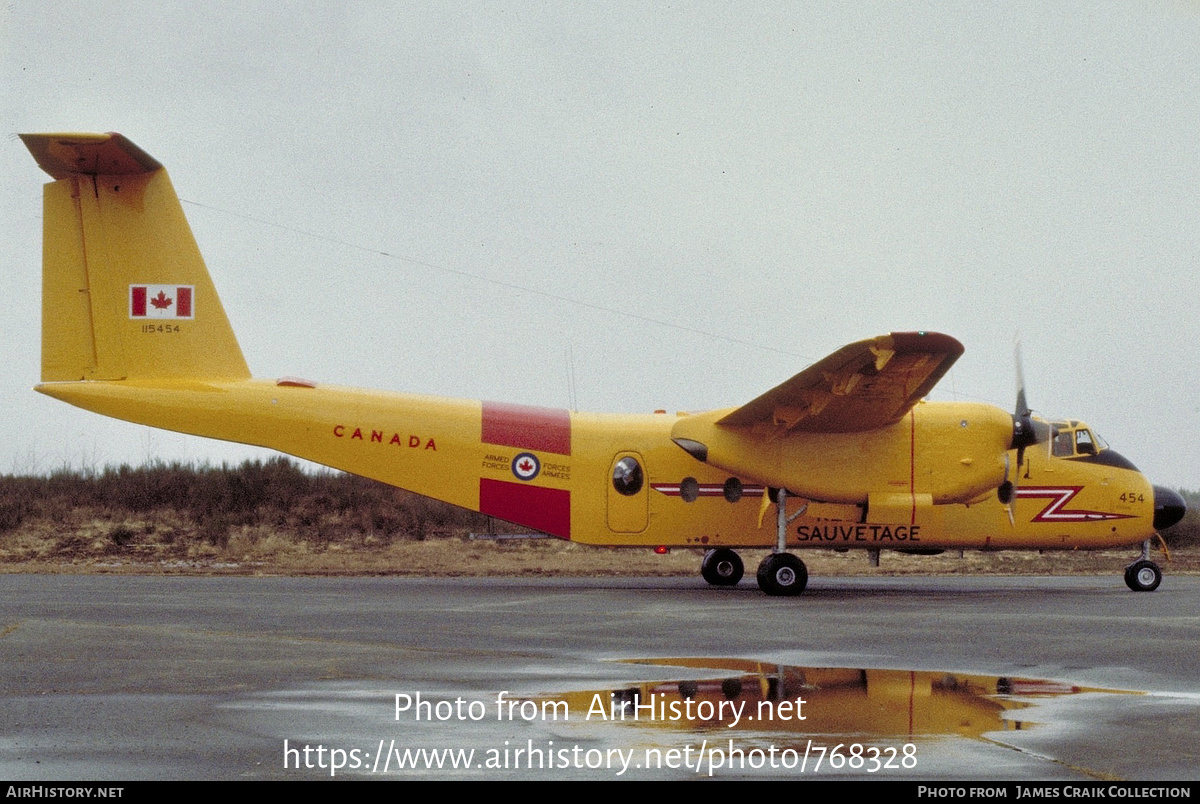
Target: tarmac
{"points": [[915, 678]]}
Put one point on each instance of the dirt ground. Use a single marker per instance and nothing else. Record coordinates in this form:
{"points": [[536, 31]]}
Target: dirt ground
{"points": [[464, 556]]}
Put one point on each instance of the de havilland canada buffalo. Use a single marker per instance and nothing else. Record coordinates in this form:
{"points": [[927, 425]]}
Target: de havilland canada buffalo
{"points": [[846, 454]]}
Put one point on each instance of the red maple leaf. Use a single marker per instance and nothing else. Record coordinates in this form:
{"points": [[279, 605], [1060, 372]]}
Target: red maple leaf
{"points": [[525, 465], [162, 301]]}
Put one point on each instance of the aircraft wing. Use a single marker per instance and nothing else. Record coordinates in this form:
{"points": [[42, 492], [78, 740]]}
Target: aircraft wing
{"points": [[862, 386]]}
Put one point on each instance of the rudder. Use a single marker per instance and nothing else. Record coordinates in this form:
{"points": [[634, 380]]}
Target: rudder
{"points": [[125, 292]]}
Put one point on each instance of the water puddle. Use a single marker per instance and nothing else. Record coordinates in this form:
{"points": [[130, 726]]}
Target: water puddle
{"points": [[837, 704]]}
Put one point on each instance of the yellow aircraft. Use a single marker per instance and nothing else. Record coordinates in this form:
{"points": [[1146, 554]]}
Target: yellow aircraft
{"points": [[846, 453]]}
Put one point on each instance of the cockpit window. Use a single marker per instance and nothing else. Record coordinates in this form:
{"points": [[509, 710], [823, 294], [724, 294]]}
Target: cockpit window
{"points": [[1075, 438]]}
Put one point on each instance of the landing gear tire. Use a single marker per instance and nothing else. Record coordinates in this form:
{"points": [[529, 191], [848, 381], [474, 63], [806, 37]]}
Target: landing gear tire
{"points": [[782, 575], [722, 567], [1143, 576]]}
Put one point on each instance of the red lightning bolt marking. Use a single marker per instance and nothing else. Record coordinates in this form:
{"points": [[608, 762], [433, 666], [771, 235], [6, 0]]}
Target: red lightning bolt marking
{"points": [[1059, 497]]}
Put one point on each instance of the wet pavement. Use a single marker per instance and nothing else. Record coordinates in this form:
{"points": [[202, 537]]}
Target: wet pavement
{"points": [[113, 677]]}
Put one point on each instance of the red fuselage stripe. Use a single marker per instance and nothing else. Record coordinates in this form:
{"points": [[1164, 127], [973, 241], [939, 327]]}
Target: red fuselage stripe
{"points": [[527, 427], [537, 507]]}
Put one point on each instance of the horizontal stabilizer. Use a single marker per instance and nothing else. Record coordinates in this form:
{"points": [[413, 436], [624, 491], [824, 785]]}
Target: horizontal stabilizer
{"points": [[62, 155]]}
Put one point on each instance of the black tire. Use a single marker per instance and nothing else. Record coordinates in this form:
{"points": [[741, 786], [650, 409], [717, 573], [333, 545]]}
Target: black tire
{"points": [[1143, 576], [782, 575], [722, 567]]}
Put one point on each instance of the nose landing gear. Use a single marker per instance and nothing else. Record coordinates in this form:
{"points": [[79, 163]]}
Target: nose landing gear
{"points": [[1143, 575]]}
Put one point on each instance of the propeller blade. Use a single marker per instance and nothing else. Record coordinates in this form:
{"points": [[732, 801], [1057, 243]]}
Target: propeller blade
{"points": [[1024, 431], [1025, 434], [1007, 492], [1022, 404]]}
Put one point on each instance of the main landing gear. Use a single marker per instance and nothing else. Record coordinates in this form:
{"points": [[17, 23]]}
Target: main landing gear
{"points": [[780, 574], [1143, 575], [722, 567]]}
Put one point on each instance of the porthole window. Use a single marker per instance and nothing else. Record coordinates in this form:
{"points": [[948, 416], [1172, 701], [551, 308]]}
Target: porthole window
{"points": [[689, 489], [628, 476]]}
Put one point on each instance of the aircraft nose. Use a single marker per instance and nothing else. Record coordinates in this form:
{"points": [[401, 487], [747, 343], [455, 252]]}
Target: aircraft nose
{"points": [[1169, 507]]}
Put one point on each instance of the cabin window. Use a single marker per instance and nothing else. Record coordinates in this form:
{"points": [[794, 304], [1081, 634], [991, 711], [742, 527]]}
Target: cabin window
{"points": [[628, 476], [1083, 442]]}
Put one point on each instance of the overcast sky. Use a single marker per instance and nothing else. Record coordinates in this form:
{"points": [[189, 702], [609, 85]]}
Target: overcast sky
{"points": [[678, 205]]}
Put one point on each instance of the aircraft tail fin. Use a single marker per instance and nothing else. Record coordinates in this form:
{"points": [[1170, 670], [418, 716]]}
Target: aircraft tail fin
{"points": [[125, 293]]}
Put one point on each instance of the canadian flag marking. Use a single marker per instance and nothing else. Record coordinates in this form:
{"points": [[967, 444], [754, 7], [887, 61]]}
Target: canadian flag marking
{"points": [[162, 301]]}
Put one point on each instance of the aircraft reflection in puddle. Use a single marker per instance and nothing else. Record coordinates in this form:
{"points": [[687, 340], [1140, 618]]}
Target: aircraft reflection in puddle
{"points": [[777, 698]]}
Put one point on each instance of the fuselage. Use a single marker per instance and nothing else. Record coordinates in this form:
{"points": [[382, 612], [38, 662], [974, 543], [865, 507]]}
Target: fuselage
{"points": [[923, 483]]}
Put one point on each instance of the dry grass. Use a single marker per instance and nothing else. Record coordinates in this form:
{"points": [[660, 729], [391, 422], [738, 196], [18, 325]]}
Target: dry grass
{"points": [[448, 556], [273, 519]]}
